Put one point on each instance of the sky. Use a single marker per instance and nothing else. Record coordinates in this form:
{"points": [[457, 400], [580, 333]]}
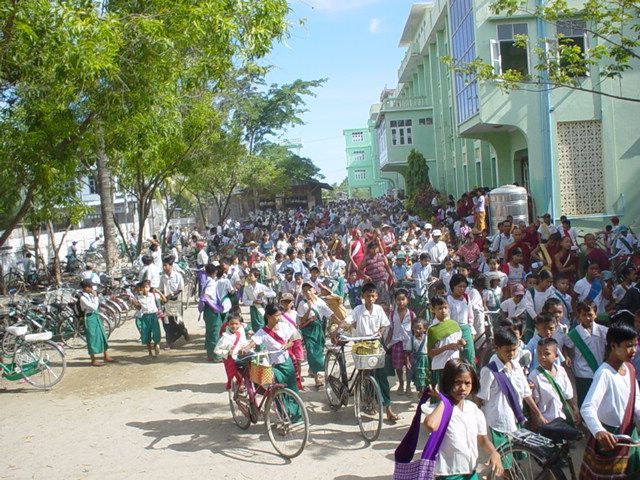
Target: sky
{"points": [[354, 45]]}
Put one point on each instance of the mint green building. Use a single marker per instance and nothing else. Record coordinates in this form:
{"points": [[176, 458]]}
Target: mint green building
{"points": [[577, 153], [363, 170]]}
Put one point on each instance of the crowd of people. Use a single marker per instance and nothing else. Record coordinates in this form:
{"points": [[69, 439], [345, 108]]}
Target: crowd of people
{"points": [[563, 310]]}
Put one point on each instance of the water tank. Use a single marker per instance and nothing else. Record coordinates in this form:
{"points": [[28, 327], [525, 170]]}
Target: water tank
{"points": [[507, 200]]}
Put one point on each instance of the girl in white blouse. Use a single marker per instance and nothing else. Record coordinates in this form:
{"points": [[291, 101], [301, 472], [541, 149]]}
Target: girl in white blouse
{"points": [[612, 406], [467, 428]]}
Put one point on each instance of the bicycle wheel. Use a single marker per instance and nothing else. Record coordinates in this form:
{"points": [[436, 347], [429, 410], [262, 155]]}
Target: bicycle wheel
{"points": [[107, 323], [42, 364], [287, 422], [334, 388], [72, 332], [368, 406], [525, 463], [14, 281], [239, 405]]}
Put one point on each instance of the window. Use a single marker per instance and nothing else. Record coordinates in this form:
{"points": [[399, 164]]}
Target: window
{"points": [[359, 174], [463, 51], [581, 167], [572, 33], [401, 132], [476, 154], [358, 156], [357, 137], [93, 186], [425, 121], [505, 55]]}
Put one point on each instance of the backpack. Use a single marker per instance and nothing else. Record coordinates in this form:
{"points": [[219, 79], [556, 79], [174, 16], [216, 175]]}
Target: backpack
{"points": [[75, 306]]}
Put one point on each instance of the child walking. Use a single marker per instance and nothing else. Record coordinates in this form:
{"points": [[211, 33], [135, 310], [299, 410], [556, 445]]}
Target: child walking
{"points": [[461, 311], [296, 351], [231, 342], [612, 406], [147, 303], [466, 428], [400, 338], [586, 346], [552, 389], [419, 357], [444, 339], [503, 389], [94, 330], [255, 295]]}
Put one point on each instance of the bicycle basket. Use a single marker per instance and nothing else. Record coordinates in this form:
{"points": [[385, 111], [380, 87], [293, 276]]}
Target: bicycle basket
{"points": [[260, 374], [368, 362], [369, 347]]}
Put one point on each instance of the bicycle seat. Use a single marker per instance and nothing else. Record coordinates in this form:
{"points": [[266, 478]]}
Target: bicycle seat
{"points": [[559, 430], [17, 330], [38, 337]]}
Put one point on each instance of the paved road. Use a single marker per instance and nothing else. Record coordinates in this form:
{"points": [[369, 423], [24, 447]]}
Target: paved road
{"points": [[169, 418]]}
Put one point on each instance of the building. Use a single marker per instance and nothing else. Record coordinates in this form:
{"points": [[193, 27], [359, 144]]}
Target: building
{"points": [[576, 152], [363, 170]]}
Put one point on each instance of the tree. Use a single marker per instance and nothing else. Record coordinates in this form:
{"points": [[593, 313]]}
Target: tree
{"points": [[563, 60], [417, 173]]}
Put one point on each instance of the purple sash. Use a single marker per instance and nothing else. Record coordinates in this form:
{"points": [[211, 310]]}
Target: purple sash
{"points": [[423, 469], [507, 390], [206, 301]]}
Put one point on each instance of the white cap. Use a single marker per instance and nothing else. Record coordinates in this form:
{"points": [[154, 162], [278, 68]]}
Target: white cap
{"points": [[436, 233], [428, 226]]}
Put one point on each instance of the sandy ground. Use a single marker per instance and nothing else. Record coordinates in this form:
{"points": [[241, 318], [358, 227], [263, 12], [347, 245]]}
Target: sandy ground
{"points": [[169, 418]]}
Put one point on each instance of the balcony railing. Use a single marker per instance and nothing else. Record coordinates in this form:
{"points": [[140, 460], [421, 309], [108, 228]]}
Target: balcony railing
{"points": [[405, 103]]}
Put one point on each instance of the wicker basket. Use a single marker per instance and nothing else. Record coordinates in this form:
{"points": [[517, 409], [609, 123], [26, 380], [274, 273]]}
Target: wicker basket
{"points": [[369, 362], [261, 374]]}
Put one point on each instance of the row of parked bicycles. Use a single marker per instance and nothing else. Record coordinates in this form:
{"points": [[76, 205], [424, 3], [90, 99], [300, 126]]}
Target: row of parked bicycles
{"points": [[35, 329]]}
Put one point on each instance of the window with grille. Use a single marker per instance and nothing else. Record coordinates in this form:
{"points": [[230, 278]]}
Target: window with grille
{"points": [[401, 132], [572, 32], [580, 167], [358, 156], [93, 186], [359, 174], [357, 137]]}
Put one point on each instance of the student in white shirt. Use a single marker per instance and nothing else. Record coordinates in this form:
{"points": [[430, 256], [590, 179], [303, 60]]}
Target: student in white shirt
{"points": [[502, 417], [467, 428], [369, 319], [147, 302], [549, 381], [590, 337], [534, 299], [444, 339], [605, 406], [94, 330], [149, 272], [400, 341], [229, 345], [461, 310], [171, 286], [592, 287], [514, 306], [255, 296]]}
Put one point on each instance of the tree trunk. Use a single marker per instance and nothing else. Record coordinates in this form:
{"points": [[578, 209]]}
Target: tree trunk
{"points": [[55, 267], [24, 208], [125, 241], [107, 210], [143, 213]]}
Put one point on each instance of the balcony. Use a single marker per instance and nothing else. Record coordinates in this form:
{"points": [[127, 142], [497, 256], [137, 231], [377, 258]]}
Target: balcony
{"points": [[409, 63], [398, 104]]}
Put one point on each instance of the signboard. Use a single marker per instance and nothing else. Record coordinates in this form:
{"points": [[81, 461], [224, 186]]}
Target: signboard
{"points": [[295, 202]]}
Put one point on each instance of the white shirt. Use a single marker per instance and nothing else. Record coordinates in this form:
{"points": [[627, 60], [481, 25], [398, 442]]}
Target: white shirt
{"points": [[252, 293], [545, 395], [157, 259], [460, 310], [152, 273], [439, 361], [437, 250], [202, 258], [148, 303], [224, 289], [445, 277], [279, 355], [533, 306], [499, 244], [607, 399], [227, 342], [318, 305], [91, 275], [367, 323], [512, 309], [459, 451], [170, 284], [89, 303], [401, 329], [210, 288], [496, 408], [596, 341], [583, 287]]}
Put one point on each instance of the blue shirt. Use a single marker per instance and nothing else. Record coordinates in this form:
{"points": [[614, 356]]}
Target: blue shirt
{"points": [[295, 264], [421, 276], [533, 345], [399, 271]]}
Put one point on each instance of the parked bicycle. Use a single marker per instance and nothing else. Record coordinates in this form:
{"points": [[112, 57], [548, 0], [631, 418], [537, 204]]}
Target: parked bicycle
{"points": [[35, 358], [339, 386], [273, 402]]}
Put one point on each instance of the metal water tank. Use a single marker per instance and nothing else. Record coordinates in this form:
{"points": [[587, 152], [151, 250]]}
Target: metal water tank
{"points": [[507, 200]]}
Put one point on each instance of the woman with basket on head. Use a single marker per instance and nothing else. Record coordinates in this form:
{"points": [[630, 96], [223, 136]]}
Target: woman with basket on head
{"points": [[276, 337]]}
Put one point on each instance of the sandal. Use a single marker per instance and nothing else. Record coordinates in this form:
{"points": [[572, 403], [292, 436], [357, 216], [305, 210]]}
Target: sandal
{"points": [[96, 363], [109, 360]]}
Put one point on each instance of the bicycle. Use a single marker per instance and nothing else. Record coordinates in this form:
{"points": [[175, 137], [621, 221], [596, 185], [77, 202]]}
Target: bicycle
{"points": [[287, 435], [35, 358], [365, 389]]}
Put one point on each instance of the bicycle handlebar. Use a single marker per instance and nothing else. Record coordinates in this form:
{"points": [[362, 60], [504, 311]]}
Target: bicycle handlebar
{"points": [[626, 441], [344, 338]]}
